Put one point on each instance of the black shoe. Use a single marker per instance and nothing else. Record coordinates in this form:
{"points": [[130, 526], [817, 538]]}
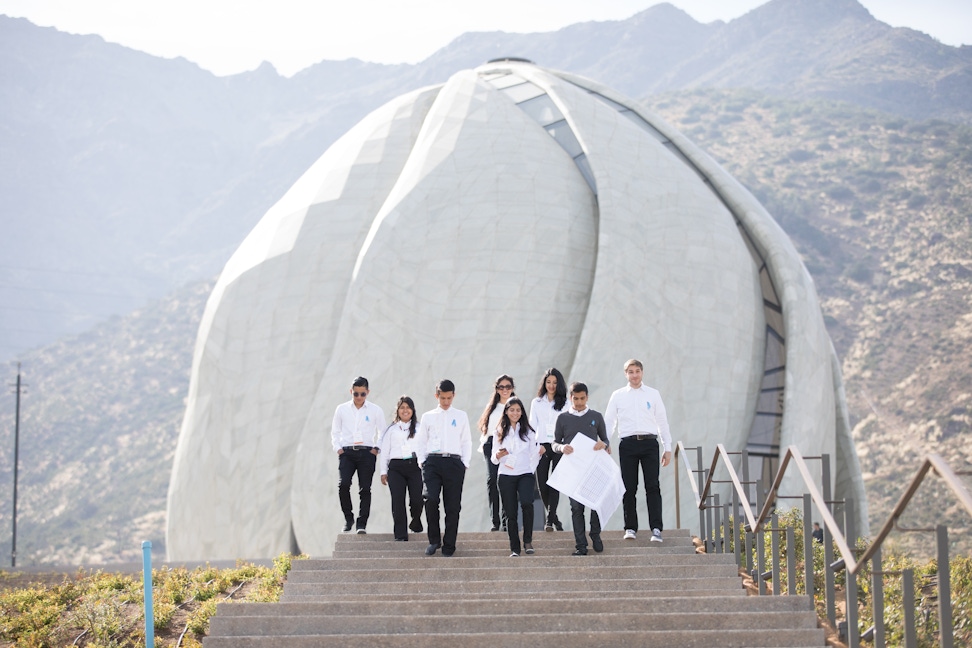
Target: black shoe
{"points": [[495, 528], [348, 525], [448, 552], [416, 526], [528, 548], [597, 544], [361, 531], [558, 525], [580, 552], [431, 549], [401, 539]]}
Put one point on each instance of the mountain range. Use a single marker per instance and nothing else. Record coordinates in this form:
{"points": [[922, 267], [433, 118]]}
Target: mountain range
{"points": [[128, 180]]}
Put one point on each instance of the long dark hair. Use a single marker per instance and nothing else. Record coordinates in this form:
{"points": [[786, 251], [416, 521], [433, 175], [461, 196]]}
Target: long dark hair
{"points": [[560, 396], [505, 425], [406, 400], [484, 419]]}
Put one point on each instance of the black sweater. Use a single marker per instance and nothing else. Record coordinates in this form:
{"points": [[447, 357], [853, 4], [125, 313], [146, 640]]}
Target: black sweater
{"points": [[569, 425]]}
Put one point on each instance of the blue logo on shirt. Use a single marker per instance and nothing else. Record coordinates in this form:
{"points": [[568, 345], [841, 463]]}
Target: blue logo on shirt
{"points": [[366, 418], [593, 424], [453, 422], [648, 404]]}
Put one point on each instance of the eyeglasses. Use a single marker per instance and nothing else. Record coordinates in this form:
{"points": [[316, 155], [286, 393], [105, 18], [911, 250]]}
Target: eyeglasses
{"points": [[504, 387], [359, 394]]}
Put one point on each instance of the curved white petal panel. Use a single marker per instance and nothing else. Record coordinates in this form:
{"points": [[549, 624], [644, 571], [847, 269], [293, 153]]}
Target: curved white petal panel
{"points": [[267, 332]]}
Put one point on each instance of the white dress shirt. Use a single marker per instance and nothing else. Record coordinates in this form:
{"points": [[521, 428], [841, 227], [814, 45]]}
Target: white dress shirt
{"points": [[357, 427], [638, 411], [395, 444], [543, 418], [446, 432], [524, 455]]}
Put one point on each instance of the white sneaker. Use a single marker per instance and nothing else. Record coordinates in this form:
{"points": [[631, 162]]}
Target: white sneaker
{"points": [[656, 535], [514, 555], [629, 534]]}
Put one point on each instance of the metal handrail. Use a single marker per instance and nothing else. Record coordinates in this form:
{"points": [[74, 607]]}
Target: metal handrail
{"points": [[680, 452], [724, 455], [933, 462], [793, 454], [849, 560]]}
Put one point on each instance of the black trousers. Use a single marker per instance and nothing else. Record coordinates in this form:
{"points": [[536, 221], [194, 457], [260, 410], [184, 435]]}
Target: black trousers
{"points": [[351, 462], [443, 479], [496, 511], [549, 496], [518, 489], [404, 475], [644, 453], [577, 518]]}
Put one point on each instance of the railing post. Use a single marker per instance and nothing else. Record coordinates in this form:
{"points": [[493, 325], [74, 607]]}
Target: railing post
{"points": [[829, 595], [807, 547], [908, 602], [716, 524], [877, 595], [745, 475], [775, 544], [147, 586], [853, 631], [748, 535], [760, 561], [736, 540], [791, 587], [944, 588]]}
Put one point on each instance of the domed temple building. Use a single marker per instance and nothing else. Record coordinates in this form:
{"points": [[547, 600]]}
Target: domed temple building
{"points": [[512, 219]]}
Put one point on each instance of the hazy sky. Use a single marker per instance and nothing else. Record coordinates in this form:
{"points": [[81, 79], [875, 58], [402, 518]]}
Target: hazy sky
{"points": [[230, 36]]}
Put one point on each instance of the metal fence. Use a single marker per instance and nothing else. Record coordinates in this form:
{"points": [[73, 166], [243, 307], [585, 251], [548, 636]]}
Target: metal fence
{"points": [[741, 524]]}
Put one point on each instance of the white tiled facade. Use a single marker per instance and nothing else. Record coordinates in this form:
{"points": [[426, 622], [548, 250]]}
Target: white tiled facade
{"points": [[506, 221]]}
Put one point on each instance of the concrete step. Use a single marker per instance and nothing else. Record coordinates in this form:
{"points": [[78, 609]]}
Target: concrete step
{"points": [[406, 549], [624, 638], [523, 605], [511, 621], [536, 560], [643, 535], [512, 570], [538, 595], [498, 588]]}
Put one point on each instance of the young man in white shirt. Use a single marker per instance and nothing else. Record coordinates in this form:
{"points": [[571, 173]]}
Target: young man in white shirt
{"points": [[638, 413], [355, 432], [443, 446]]}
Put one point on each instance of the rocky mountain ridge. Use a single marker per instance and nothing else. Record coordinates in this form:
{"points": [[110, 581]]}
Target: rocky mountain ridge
{"points": [[126, 175]]}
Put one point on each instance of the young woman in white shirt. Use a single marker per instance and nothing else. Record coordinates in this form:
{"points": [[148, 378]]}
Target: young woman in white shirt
{"points": [[516, 454], [400, 470], [502, 391], [550, 402]]}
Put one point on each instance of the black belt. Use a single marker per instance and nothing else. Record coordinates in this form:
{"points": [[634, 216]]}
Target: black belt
{"points": [[346, 448], [641, 437], [412, 458], [442, 454]]}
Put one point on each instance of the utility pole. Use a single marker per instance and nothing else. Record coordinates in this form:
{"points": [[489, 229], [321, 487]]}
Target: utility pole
{"points": [[13, 550]]}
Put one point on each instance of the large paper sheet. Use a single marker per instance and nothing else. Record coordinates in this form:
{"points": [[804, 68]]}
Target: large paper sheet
{"points": [[589, 476]]}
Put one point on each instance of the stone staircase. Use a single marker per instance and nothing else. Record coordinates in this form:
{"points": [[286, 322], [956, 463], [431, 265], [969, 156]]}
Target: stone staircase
{"points": [[374, 591]]}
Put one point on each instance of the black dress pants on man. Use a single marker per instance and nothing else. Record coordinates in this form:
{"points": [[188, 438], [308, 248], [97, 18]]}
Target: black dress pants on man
{"points": [[577, 519], [444, 477], [635, 452], [351, 461]]}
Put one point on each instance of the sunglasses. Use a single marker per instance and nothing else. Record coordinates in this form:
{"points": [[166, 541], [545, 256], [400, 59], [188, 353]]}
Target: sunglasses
{"points": [[359, 394], [504, 387]]}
